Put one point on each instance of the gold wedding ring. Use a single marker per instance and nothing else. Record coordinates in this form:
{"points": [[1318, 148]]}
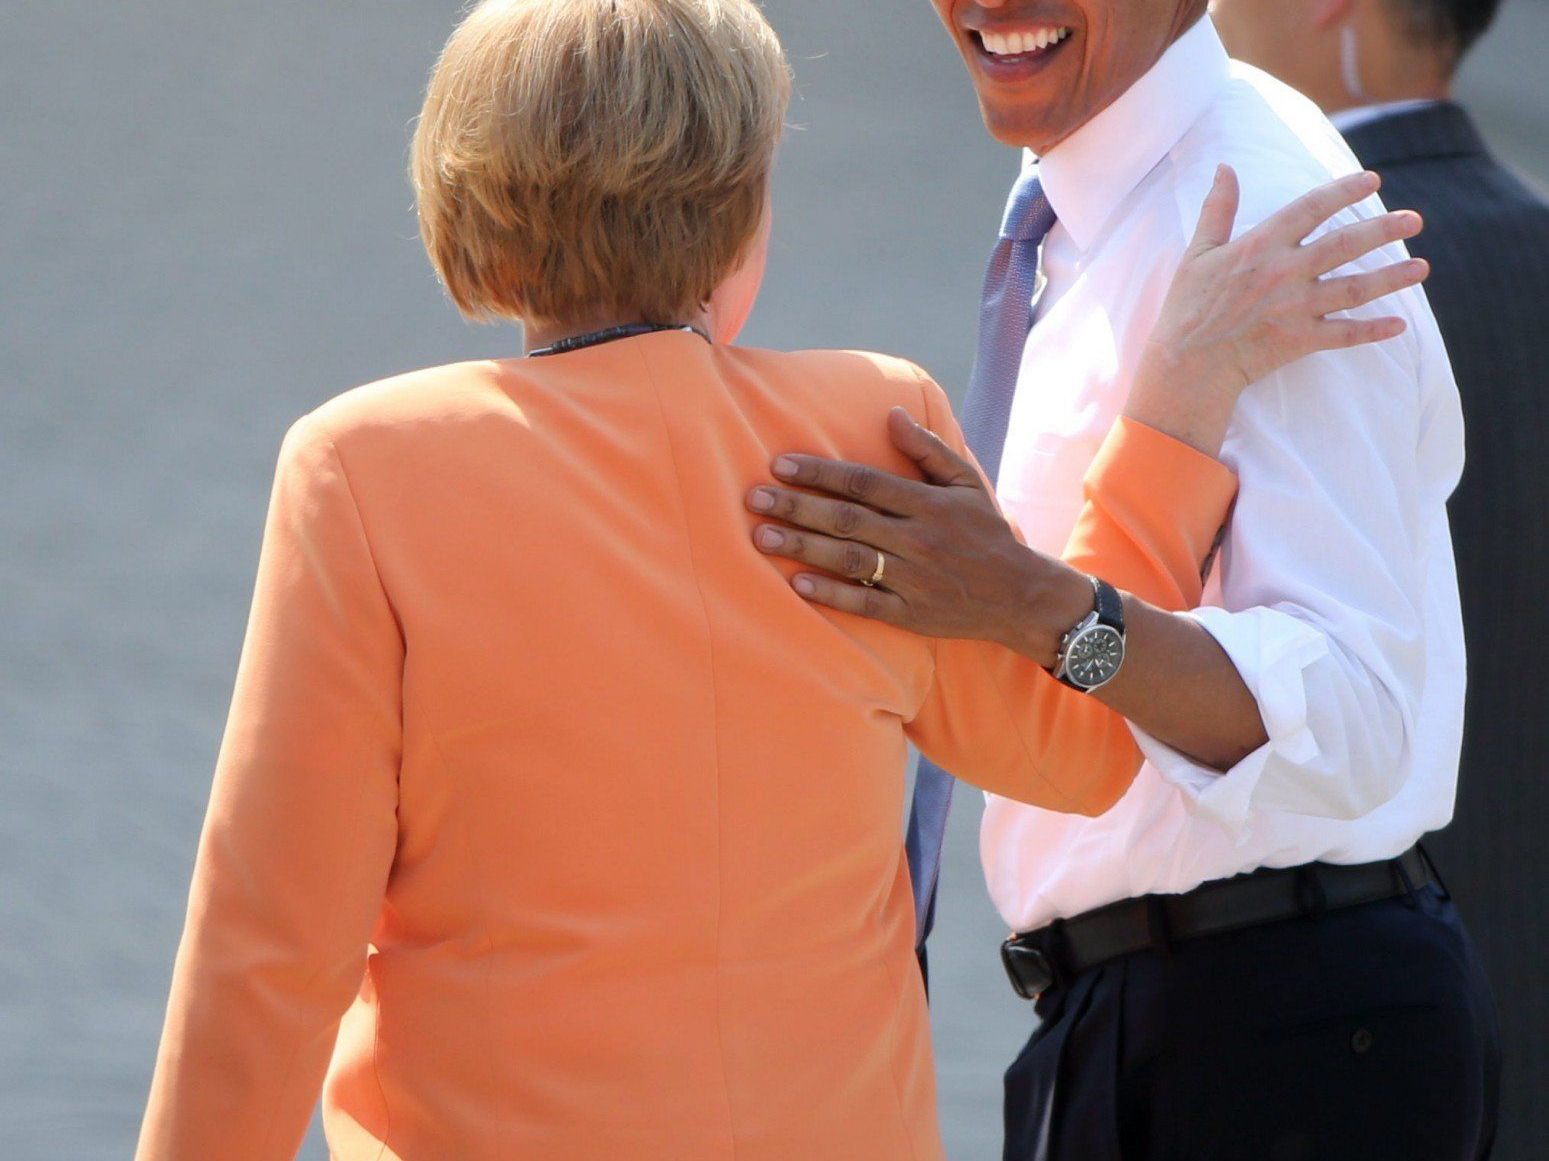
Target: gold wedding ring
{"points": [[876, 577]]}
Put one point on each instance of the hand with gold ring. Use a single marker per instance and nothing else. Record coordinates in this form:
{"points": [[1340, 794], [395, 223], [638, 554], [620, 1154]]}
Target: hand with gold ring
{"points": [[875, 578], [954, 566]]}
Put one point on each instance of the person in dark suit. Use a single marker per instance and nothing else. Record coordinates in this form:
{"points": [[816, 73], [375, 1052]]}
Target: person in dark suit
{"points": [[1383, 70]]}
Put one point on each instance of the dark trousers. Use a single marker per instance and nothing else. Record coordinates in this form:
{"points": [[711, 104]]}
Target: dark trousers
{"points": [[1366, 1033]]}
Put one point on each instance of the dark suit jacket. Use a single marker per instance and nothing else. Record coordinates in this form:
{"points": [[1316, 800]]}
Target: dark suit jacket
{"points": [[1487, 238]]}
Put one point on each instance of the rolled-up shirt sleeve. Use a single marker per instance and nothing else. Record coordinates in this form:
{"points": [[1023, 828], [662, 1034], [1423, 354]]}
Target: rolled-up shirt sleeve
{"points": [[1322, 582]]}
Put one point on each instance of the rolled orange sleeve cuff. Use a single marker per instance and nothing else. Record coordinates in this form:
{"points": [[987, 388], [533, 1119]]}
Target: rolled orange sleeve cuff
{"points": [[1155, 508]]}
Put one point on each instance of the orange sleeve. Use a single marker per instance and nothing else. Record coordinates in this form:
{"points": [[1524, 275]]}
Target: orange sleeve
{"points": [[996, 719], [299, 837], [1154, 508]]}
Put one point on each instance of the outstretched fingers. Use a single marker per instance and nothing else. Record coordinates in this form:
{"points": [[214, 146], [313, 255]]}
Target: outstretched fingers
{"points": [[1219, 213], [1348, 243], [864, 483], [842, 519], [845, 558], [1356, 290], [1311, 210], [939, 463], [876, 603], [1337, 334]]}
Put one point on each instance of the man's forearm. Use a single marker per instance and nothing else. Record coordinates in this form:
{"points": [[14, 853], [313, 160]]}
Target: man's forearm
{"points": [[1177, 684]]}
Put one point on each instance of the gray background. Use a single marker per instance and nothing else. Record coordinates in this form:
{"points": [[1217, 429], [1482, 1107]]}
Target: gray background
{"points": [[204, 231]]}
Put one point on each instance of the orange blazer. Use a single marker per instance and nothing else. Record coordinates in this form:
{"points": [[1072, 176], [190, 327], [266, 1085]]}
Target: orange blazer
{"points": [[550, 823]]}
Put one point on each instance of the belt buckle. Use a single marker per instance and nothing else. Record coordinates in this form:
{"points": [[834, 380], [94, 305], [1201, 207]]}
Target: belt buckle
{"points": [[1030, 971]]}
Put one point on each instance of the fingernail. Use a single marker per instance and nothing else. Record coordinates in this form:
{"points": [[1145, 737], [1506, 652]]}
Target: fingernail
{"points": [[804, 586], [785, 466], [770, 538], [762, 500]]}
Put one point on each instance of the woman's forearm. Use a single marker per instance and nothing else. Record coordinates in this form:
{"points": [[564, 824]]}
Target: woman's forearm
{"points": [[1170, 395]]}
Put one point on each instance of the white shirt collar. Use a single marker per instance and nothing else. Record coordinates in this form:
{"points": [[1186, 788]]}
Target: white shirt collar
{"points": [[1087, 176], [1348, 119]]}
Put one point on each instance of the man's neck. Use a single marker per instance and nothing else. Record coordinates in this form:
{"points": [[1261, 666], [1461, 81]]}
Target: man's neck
{"points": [[1088, 176], [1186, 18], [1382, 70], [1381, 96]]}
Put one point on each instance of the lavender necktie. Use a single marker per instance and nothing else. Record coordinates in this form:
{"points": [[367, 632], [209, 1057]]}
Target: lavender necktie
{"points": [[1005, 318]]}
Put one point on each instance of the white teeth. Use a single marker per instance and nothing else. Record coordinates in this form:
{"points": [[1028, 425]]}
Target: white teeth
{"points": [[1016, 43]]}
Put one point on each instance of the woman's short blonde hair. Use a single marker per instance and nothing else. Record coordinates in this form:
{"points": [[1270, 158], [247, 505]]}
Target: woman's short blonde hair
{"points": [[581, 157]]}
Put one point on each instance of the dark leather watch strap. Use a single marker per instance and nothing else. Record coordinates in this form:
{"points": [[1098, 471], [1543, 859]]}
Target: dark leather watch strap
{"points": [[1110, 606], [1108, 609]]}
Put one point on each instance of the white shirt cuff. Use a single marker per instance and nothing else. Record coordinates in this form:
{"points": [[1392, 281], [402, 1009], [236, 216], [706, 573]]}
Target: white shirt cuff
{"points": [[1272, 652]]}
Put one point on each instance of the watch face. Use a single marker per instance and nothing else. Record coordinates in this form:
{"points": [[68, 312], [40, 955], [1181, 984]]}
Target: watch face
{"points": [[1093, 659]]}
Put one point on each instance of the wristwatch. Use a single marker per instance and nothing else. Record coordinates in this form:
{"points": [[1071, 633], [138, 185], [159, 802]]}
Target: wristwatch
{"points": [[1092, 652]]}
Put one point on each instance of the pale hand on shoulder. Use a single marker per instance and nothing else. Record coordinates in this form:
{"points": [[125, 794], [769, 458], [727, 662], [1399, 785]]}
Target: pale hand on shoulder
{"points": [[1239, 310]]}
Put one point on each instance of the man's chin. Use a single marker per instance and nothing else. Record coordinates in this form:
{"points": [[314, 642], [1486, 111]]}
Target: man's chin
{"points": [[1018, 128]]}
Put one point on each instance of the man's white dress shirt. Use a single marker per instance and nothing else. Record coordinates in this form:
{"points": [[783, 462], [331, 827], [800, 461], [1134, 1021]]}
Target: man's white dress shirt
{"points": [[1334, 593]]}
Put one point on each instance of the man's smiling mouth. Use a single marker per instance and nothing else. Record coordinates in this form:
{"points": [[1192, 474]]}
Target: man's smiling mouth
{"points": [[1017, 43], [1012, 56]]}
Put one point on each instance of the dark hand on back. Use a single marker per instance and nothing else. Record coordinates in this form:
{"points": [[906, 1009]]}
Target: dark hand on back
{"points": [[951, 564]]}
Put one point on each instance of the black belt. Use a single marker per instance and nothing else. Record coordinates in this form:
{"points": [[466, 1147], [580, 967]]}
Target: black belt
{"points": [[1037, 960]]}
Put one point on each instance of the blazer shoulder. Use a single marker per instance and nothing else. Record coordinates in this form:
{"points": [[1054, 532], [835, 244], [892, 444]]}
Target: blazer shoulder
{"points": [[379, 427], [855, 366], [845, 381], [410, 400], [380, 418]]}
